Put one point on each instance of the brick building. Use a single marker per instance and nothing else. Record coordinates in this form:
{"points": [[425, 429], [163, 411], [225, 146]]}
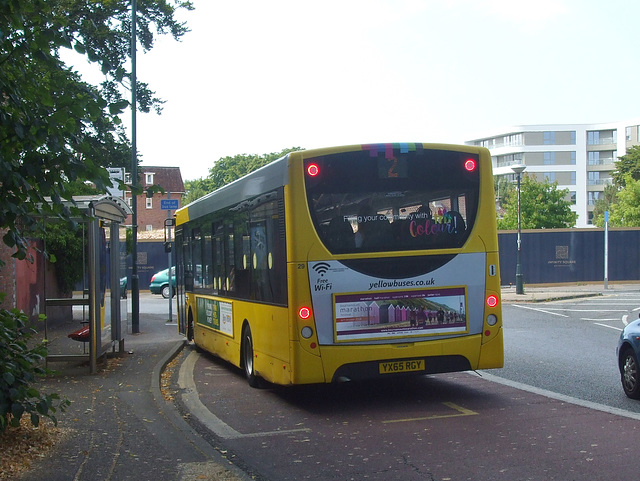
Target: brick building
{"points": [[150, 214]]}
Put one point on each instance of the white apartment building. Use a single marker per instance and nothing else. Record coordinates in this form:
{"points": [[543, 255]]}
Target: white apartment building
{"points": [[580, 157]]}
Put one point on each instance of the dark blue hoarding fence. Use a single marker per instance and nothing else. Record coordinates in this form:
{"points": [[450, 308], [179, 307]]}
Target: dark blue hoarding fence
{"points": [[549, 256], [552, 256]]}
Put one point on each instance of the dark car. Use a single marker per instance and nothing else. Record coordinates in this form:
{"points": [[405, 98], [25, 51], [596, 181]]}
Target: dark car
{"points": [[628, 354]]}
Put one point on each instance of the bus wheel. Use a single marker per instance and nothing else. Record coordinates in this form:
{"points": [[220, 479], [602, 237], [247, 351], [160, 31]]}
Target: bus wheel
{"points": [[247, 358], [190, 327]]}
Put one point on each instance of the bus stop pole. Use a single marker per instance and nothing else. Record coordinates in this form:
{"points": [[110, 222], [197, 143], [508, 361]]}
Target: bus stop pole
{"points": [[606, 249]]}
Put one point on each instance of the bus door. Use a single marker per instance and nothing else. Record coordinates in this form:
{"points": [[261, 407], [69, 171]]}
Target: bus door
{"points": [[181, 247]]}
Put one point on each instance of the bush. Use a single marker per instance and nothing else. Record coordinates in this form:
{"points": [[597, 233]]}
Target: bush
{"points": [[64, 247], [20, 366]]}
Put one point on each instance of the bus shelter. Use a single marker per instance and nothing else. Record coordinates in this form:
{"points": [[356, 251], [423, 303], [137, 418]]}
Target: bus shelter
{"points": [[101, 293]]}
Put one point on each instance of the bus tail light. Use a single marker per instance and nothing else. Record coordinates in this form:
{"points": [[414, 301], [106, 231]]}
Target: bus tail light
{"points": [[304, 313], [492, 300], [313, 170], [470, 165]]}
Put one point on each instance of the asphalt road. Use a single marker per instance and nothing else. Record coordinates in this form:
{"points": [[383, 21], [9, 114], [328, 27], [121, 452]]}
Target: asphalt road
{"points": [[556, 412], [568, 347]]}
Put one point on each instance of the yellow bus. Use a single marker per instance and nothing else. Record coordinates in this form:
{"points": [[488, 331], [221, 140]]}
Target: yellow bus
{"points": [[346, 263]]}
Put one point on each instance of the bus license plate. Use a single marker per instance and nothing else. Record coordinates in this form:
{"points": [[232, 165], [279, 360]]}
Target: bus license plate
{"points": [[408, 365]]}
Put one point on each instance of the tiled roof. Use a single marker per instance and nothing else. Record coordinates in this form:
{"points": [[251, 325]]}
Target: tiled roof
{"points": [[169, 178]]}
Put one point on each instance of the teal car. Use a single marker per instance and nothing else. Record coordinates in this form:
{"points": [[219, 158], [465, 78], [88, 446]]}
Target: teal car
{"points": [[123, 287], [160, 282]]}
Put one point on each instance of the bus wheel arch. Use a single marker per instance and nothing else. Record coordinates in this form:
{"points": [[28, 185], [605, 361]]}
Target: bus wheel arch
{"points": [[247, 357]]}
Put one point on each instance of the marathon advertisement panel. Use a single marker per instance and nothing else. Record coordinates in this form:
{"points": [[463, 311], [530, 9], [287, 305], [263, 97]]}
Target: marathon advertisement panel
{"points": [[382, 315]]}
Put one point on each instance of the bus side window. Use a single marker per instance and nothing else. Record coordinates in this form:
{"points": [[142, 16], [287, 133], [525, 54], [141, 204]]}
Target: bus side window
{"points": [[243, 256], [218, 251]]}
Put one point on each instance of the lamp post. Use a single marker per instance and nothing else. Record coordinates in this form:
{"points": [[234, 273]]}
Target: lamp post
{"points": [[519, 169], [135, 288]]}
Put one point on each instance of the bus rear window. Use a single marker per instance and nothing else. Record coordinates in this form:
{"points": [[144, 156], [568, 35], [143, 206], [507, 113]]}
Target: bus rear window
{"points": [[372, 201]]}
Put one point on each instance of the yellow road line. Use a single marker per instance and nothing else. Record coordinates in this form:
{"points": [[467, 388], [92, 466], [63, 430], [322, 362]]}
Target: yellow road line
{"points": [[460, 411]]}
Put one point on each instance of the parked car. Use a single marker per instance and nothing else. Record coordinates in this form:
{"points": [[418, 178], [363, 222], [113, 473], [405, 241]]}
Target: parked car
{"points": [[123, 287], [628, 353], [160, 282]]}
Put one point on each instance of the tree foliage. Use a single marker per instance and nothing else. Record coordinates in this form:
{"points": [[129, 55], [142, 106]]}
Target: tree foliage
{"points": [[542, 206], [227, 169], [502, 189], [56, 132], [625, 212], [54, 127], [197, 188], [65, 247], [621, 199], [627, 165], [20, 366], [605, 203]]}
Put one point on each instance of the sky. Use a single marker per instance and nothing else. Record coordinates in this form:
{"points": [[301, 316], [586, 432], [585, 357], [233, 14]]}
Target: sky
{"points": [[255, 77]]}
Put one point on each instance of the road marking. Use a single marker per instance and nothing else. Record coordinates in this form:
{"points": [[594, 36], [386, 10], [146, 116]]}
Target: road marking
{"points": [[610, 327], [540, 310], [460, 412], [613, 319], [558, 396], [212, 422], [586, 310], [612, 303]]}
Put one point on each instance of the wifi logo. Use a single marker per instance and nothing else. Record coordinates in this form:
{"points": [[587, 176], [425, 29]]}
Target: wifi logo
{"points": [[321, 268]]}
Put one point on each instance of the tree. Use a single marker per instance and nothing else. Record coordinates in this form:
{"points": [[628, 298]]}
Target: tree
{"points": [[542, 206], [57, 131], [605, 203], [54, 127], [628, 164], [502, 187], [197, 188], [227, 169], [626, 211]]}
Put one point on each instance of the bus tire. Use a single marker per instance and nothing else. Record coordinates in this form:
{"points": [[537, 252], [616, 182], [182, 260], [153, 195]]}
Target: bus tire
{"points": [[190, 327], [247, 358]]}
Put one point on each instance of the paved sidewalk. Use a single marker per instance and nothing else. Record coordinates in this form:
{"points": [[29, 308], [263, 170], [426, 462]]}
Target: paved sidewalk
{"points": [[541, 293], [120, 425]]}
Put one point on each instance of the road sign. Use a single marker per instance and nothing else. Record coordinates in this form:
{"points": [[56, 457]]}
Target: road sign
{"points": [[169, 204]]}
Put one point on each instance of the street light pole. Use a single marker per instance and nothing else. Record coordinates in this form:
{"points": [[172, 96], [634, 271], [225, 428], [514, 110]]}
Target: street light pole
{"points": [[519, 169], [135, 288]]}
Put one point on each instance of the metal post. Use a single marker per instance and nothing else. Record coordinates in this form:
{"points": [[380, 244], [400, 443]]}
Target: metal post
{"points": [[170, 262], [518, 169], [135, 290], [94, 298], [606, 249]]}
